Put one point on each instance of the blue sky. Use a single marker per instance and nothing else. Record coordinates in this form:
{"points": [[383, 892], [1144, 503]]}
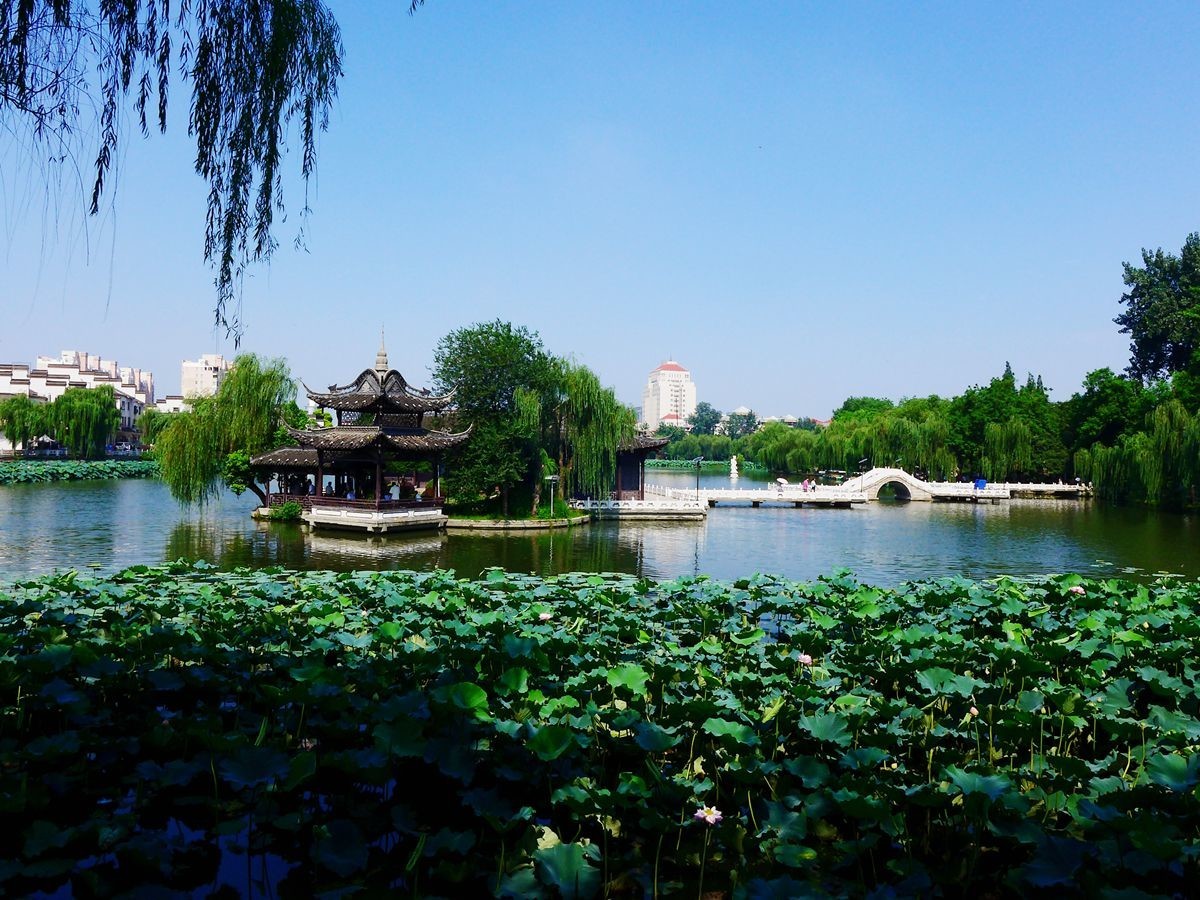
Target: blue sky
{"points": [[798, 203]]}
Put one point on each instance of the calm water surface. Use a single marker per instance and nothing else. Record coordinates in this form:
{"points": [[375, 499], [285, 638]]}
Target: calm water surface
{"points": [[113, 524]]}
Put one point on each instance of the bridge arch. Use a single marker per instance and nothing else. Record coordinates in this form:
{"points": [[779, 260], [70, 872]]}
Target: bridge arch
{"points": [[901, 490], [908, 486]]}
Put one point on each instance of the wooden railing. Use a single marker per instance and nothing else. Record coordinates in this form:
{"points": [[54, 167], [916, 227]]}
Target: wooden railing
{"points": [[307, 501]]}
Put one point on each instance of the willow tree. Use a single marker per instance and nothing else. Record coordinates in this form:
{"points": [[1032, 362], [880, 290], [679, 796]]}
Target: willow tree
{"points": [[23, 420], [1007, 449], [85, 419], [579, 426], [209, 447], [594, 425], [1168, 458], [260, 72]]}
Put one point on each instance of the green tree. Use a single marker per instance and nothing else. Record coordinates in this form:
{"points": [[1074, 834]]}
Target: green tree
{"points": [[587, 425], [1108, 407], [705, 419], [23, 420], [85, 420], [257, 70], [862, 408], [151, 423], [741, 424], [489, 365], [1162, 311], [211, 444]]}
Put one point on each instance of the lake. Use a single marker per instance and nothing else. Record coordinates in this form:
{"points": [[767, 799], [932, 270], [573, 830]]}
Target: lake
{"points": [[118, 523]]}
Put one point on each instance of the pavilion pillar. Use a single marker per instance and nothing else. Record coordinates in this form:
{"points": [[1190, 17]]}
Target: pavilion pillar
{"points": [[437, 472], [320, 485], [378, 475], [642, 480]]}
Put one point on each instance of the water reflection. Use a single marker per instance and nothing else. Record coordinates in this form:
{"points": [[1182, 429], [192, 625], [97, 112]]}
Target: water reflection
{"points": [[120, 523]]}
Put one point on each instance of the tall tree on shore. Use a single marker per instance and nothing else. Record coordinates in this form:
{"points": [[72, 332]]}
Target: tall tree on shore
{"points": [[490, 366], [85, 419], [210, 446], [740, 425], [705, 419], [23, 420], [1162, 311], [587, 426]]}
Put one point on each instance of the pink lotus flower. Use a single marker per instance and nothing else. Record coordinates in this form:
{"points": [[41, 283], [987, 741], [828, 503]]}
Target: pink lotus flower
{"points": [[709, 814], [974, 711], [1077, 589], [545, 617], [805, 659]]}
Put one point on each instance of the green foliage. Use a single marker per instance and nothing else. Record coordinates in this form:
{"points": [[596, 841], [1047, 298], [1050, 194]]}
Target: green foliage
{"points": [[740, 425], [42, 471], [591, 424], [410, 733], [494, 368], [23, 420], [530, 413], [1002, 403], [705, 419], [151, 424], [862, 408], [287, 512], [211, 444], [1162, 311], [70, 71], [85, 420], [1109, 407]]}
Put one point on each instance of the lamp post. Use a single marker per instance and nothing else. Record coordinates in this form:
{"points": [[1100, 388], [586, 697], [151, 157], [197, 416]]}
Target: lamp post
{"points": [[553, 479], [696, 462]]}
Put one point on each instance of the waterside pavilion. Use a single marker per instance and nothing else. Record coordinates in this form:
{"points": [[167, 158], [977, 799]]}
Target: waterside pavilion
{"points": [[345, 476]]}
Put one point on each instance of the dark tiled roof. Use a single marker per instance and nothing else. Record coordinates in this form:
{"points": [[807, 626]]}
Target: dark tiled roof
{"points": [[287, 458], [644, 442], [346, 437], [358, 437], [368, 392], [429, 440]]}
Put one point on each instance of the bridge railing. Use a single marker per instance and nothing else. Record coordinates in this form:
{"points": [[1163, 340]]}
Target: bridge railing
{"points": [[666, 505]]}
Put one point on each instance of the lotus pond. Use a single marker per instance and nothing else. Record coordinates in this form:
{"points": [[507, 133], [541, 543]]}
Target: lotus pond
{"points": [[276, 733], [32, 471]]}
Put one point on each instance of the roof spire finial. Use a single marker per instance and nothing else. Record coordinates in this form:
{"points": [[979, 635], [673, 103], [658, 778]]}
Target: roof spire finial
{"points": [[381, 360]]}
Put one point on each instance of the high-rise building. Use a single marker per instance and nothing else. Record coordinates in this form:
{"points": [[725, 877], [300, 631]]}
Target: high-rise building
{"points": [[202, 377], [669, 397]]}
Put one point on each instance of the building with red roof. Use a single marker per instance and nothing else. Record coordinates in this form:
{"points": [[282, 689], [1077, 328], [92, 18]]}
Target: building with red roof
{"points": [[669, 397]]}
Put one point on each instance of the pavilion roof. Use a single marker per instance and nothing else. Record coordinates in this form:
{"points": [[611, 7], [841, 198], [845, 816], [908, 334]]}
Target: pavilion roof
{"points": [[287, 458], [643, 443], [358, 437], [372, 391]]}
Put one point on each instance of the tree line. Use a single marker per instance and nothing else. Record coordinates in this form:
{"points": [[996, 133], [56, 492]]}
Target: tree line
{"points": [[1135, 435]]}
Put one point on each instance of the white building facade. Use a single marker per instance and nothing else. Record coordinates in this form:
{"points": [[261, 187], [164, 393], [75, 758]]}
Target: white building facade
{"points": [[201, 377], [50, 377], [669, 397]]}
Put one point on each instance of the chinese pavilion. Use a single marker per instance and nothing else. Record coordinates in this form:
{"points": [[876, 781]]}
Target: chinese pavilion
{"points": [[345, 476]]}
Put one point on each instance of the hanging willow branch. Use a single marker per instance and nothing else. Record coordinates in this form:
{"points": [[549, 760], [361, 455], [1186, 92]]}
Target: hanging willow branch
{"points": [[194, 447], [595, 424], [257, 70]]}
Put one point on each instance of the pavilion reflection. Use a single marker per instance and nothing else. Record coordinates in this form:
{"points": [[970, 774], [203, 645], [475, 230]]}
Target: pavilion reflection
{"points": [[261, 545]]}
